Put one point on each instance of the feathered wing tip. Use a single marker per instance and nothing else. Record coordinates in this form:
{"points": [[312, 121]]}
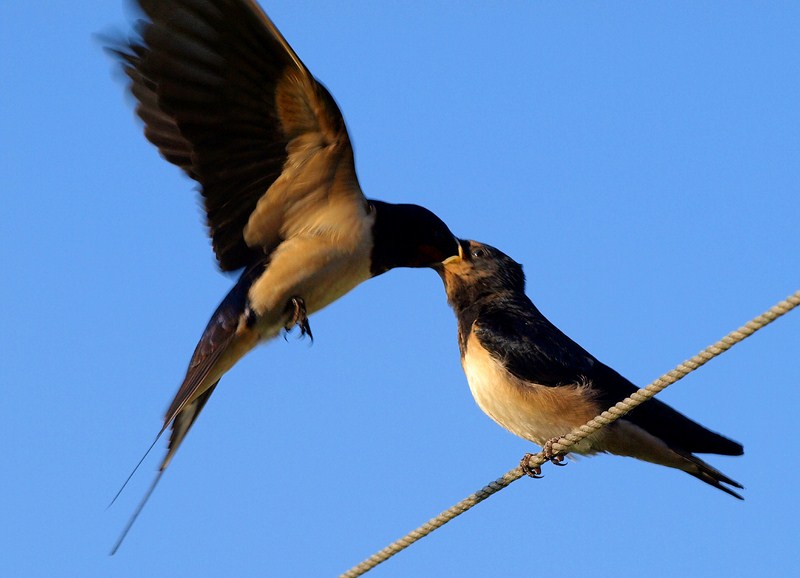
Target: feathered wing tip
{"points": [[712, 476]]}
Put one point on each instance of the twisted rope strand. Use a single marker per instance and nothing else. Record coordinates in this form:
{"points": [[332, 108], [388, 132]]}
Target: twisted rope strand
{"points": [[578, 434], [640, 396]]}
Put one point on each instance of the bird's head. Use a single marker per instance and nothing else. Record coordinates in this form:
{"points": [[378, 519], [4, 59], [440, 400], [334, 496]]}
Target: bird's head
{"points": [[477, 271], [409, 236]]}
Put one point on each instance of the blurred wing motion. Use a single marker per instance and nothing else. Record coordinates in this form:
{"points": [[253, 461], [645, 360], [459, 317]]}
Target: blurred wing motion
{"points": [[224, 97]]}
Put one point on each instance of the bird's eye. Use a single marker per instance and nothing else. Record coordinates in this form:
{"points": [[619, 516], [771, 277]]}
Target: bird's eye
{"points": [[478, 253]]}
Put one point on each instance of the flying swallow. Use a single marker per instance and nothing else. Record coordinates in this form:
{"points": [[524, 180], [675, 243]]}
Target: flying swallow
{"points": [[224, 97], [537, 383]]}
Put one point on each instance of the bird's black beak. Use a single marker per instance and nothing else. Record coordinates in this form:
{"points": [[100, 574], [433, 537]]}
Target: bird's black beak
{"points": [[450, 249], [452, 257], [409, 236]]}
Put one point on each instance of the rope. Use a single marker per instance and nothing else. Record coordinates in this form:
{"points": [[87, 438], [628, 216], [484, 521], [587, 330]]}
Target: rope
{"points": [[580, 433]]}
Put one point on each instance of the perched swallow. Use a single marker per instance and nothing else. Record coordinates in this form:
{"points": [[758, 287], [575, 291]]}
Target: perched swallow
{"points": [[539, 384], [224, 97]]}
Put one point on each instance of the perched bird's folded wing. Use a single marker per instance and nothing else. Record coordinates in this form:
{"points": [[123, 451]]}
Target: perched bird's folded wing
{"points": [[659, 419], [224, 97], [530, 347], [536, 351]]}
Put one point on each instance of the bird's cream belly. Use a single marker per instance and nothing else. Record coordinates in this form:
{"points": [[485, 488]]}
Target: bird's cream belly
{"points": [[311, 268], [532, 411]]}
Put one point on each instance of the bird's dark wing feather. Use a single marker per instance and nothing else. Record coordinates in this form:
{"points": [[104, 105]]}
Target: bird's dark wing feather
{"points": [[659, 419], [183, 422], [219, 333], [222, 95], [529, 346], [535, 350]]}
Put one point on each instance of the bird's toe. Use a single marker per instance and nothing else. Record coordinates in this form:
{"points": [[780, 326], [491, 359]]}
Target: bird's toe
{"points": [[296, 307], [527, 469], [553, 456]]}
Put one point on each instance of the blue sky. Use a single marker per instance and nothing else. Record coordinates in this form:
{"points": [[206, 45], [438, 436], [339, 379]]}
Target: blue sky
{"points": [[640, 160]]}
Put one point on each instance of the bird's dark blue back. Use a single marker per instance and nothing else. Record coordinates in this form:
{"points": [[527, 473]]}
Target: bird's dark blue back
{"points": [[535, 350]]}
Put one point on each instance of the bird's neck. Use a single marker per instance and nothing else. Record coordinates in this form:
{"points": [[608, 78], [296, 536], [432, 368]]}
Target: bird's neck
{"points": [[469, 306]]}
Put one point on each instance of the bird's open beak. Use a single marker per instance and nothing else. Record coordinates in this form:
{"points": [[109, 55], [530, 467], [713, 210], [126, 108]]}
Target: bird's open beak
{"points": [[455, 258]]}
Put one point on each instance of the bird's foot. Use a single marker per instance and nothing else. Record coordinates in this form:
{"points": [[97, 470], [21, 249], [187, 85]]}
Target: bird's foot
{"points": [[533, 472], [551, 454], [299, 317]]}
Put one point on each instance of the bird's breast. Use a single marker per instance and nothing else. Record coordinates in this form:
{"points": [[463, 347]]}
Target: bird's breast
{"points": [[318, 267], [530, 410]]}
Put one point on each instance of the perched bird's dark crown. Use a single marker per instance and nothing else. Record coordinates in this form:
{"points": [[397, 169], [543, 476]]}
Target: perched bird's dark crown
{"points": [[480, 275], [497, 268]]}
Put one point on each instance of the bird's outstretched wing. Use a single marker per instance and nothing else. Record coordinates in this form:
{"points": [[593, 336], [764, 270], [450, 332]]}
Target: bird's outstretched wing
{"points": [[224, 97]]}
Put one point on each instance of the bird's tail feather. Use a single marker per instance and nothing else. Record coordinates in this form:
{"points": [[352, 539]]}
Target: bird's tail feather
{"points": [[712, 476]]}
